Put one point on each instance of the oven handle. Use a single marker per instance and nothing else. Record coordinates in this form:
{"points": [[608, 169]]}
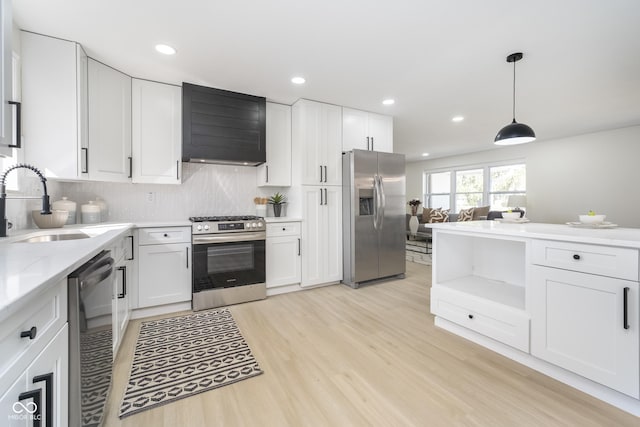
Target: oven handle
{"points": [[228, 238]]}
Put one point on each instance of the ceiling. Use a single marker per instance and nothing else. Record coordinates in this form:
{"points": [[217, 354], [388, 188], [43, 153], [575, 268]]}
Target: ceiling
{"points": [[437, 59]]}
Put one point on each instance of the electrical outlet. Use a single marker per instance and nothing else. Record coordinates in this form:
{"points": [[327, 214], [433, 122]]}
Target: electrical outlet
{"points": [[150, 196]]}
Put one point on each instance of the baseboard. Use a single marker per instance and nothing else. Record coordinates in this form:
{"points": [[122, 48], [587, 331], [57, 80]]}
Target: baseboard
{"points": [[140, 313]]}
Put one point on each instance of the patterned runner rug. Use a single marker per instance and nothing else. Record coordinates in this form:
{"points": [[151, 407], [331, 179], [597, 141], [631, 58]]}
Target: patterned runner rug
{"points": [[181, 356]]}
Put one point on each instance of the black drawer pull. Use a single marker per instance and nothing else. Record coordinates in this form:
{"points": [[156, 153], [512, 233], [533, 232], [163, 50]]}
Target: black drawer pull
{"points": [[471, 316], [576, 257], [625, 308], [31, 333], [166, 235]]}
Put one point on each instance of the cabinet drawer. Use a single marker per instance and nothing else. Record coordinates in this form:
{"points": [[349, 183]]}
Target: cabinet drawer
{"points": [[621, 263], [154, 236], [283, 229], [47, 313], [505, 324]]}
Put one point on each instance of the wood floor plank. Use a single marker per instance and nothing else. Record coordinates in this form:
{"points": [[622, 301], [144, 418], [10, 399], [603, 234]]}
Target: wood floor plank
{"points": [[336, 356]]}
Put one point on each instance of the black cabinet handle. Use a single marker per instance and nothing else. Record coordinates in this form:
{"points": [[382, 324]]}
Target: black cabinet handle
{"points": [[284, 229], [321, 173], [36, 396], [86, 160], [471, 316], [48, 390], [576, 257], [124, 281], [325, 174], [18, 143], [321, 200], [267, 177], [325, 196], [187, 248], [368, 143], [166, 235], [132, 254], [299, 246], [130, 167], [31, 333], [177, 170], [372, 146], [625, 308]]}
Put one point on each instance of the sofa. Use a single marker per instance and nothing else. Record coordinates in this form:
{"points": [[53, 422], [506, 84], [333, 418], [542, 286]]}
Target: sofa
{"points": [[424, 231]]}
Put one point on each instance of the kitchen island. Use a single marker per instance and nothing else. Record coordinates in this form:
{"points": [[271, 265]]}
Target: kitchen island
{"points": [[559, 299]]}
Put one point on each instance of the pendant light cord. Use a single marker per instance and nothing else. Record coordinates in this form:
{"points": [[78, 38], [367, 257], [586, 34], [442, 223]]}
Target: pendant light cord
{"points": [[514, 91]]}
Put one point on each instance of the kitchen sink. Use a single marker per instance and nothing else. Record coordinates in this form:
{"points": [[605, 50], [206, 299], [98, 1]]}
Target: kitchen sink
{"points": [[54, 237]]}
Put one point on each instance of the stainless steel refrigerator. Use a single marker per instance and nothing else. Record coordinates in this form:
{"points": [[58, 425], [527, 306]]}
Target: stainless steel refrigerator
{"points": [[374, 220]]}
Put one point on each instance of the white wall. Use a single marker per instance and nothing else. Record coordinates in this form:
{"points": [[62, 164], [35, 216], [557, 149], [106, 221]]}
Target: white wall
{"points": [[566, 177]]}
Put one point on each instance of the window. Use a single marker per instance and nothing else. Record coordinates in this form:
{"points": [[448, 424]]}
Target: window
{"points": [[505, 181], [480, 185], [469, 188], [438, 190]]}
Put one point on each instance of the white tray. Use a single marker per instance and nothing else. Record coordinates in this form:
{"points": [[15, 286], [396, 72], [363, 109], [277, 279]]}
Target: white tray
{"points": [[600, 225]]}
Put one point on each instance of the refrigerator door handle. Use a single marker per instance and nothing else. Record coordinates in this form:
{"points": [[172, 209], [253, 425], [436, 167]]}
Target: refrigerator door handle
{"points": [[375, 202], [383, 201]]}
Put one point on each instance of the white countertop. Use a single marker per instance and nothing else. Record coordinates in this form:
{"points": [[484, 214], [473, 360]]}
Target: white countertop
{"points": [[27, 269], [623, 237]]}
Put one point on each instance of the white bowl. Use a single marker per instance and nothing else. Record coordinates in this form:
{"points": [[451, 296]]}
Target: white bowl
{"points": [[592, 219], [56, 219], [511, 215]]}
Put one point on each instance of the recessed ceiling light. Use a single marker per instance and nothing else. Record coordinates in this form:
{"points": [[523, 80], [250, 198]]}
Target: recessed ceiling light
{"points": [[298, 80], [389, 102], [166, 49], [457, 119], [425, 154]]}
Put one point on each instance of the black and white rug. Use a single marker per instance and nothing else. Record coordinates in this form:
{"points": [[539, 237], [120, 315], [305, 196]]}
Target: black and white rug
{"points": [[181, 356]]}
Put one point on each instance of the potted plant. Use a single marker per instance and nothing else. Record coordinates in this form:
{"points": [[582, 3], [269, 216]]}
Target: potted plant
{"points": [[277, 200], [414, 203]]}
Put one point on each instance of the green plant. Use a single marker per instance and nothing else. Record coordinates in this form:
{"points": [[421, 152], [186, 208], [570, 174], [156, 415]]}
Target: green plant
{"points": [[277, 199]]}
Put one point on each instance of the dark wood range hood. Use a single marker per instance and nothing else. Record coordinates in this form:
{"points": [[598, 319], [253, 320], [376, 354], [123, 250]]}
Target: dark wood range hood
{"points": [[224, 127]]}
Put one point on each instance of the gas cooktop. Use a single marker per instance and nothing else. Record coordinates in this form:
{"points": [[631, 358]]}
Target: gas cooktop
{"points": [[224, 218]]}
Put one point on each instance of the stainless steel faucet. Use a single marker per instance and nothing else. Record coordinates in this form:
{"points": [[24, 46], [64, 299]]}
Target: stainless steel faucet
{"points": [[46, 209]]}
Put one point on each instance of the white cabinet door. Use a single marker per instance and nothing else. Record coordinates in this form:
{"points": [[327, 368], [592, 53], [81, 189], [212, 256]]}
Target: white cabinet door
{"points": [[52, 366], [282, 261], [6, 83], [48, 373], [355, 129], [109, 124], [585, 324], [381, 132], [164, 274], [54, 105], [318, 132], [366, 131], [157, 132], [121, 301], [276, 172], [321, 235], [332, 230]]}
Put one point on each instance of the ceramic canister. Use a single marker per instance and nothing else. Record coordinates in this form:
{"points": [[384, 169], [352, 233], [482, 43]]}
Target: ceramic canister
{"points": [[104, 210], [90, 213], [66, 205]]}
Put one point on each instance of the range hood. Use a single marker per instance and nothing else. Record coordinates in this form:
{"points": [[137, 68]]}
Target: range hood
{"points": [[223, 127]]}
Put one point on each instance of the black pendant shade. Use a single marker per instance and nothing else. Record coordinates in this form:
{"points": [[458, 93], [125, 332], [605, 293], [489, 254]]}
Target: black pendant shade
{"points": [[514, 133]]}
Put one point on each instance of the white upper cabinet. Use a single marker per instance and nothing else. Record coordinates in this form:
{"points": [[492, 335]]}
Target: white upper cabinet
{"points": [[317, 134], [157, 132], [276, 172], [6, 114], [54, 100], [109, 124], [362, 130]]}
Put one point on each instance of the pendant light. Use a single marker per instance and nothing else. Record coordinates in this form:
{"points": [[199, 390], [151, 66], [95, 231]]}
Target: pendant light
{"points": [[514, 133]]}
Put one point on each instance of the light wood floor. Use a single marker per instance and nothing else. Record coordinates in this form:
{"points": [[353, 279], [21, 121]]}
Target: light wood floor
{"points": [[336, 356]]}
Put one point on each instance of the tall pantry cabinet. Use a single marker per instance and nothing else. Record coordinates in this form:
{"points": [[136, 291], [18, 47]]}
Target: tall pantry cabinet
{"points": [[317, 170]]}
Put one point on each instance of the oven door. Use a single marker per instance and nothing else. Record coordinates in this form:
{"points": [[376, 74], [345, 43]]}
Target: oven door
{"points": [[228, 260]]}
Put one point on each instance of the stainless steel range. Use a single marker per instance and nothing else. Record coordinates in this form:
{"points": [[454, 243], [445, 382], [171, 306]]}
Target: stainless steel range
{"points": [[228, 260]]}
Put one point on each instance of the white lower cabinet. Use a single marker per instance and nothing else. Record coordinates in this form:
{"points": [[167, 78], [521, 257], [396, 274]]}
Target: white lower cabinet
{"points": [[40, 393], [283, 254], [321, 235], [122, 289], [587, 324], [164, 269]]}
